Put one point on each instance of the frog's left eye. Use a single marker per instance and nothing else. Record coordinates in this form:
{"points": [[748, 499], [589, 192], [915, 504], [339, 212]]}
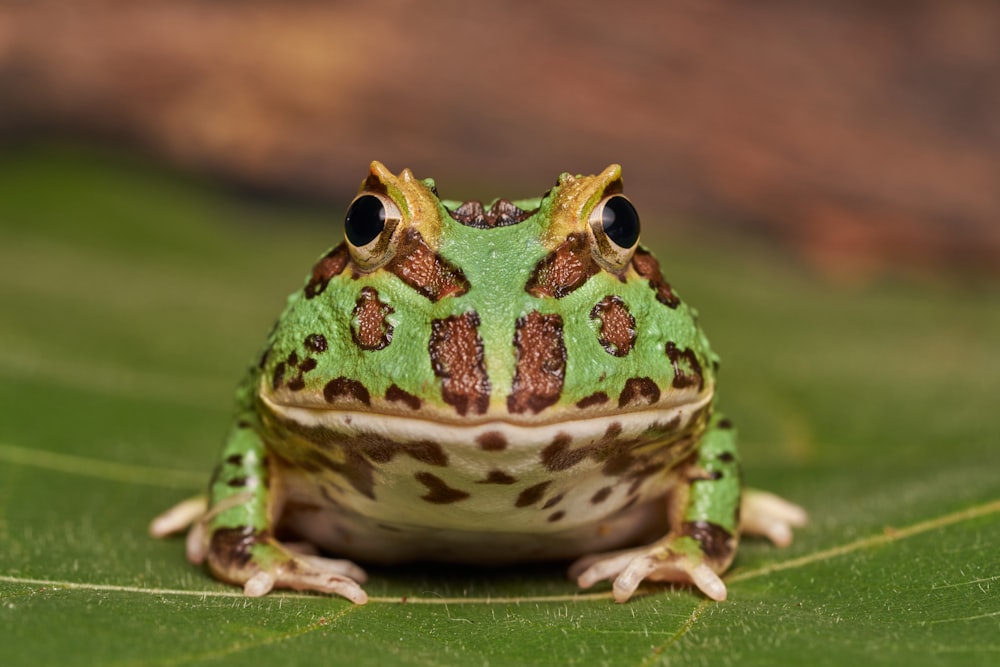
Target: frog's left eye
{"points": [[614, 223], [369, 225]]}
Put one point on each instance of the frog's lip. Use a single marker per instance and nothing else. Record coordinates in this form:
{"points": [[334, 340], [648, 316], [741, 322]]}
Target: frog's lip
{"points": [[668, 417]]}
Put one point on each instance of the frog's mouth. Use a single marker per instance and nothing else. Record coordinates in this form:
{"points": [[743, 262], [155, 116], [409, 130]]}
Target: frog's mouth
{"points": [[653, 424]]}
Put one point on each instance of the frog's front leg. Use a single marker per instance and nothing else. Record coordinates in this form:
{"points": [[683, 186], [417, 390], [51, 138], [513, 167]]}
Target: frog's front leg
{"points": [[703, 511], [235, 536]]}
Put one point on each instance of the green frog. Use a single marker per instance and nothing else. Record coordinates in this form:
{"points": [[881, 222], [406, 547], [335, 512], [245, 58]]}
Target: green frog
{"points": [[480, 384]]}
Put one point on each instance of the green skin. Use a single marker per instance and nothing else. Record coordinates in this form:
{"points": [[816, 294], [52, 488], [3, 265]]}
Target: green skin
{"points": [[704, 489]]}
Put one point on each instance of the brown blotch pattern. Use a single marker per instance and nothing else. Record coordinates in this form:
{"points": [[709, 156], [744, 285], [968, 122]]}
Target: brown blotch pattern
{"points": [[647, 267], [332, 264], [438, 492], [617, 335], [639, 391], [556, 516], [498, 477], [532, 494], [456, 353], [370, 327], [687, 369], [600, 495], [230, 548], [492, 441], [342, 387], [618, 457], [564, 269], [541, 363], [553, 501], [316, 343], [501, 214], [424, 270], [597, 398], [397, 395], [357, 454], [717, 543], [291, 372]]}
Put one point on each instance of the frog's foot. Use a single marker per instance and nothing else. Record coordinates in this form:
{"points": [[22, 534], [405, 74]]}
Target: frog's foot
{"points": [[766, 514], [660, 561], [179, 517], [260, 564]]}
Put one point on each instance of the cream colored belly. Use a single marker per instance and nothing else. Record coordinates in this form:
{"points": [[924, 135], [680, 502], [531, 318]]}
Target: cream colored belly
{"points": [[388, 489]]}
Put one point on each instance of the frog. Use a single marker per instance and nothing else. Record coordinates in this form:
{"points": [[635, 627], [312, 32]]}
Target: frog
{"points": [[481, 384]]}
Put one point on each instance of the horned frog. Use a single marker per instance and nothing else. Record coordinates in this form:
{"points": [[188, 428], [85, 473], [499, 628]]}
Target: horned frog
{"points": [[481, 385]]}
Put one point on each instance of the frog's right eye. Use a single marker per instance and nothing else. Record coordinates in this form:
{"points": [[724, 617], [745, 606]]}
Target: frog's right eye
{"points": [[369, 225]]}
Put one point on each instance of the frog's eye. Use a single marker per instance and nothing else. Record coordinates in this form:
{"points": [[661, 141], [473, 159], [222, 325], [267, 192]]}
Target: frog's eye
{"points": [[369, 225], [614, 223]]}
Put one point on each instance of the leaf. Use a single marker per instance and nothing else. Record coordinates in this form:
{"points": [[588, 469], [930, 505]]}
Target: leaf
{"points": [[132, 298]]}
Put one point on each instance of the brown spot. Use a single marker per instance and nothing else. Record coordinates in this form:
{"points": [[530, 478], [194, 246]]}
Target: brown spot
{"points": [[564, 269], [726, 457], [498, 477], [558, 455], [597, 398], [230, 548], [278, 376], [456, 352], [332, 264], [395, 394], [370, 327], [492, 441], [725, 424], [617, 334], [424, 270], [531, 495], [638, 391], [717, 543], [501, 214], [555, 516], [237, 482], [316, 343], [426, 451], [438, 492], [301, 367], [601, 495], [541, 363], [553, 501], [687, 369], [235, 459], [345, 387], [647, 267]]}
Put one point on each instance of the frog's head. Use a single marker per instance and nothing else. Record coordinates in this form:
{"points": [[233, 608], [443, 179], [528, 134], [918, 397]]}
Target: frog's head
{"points": [[525, 312]]}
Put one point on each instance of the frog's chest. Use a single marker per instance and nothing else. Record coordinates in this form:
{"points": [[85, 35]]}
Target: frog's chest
{"points": [[384, 489]]}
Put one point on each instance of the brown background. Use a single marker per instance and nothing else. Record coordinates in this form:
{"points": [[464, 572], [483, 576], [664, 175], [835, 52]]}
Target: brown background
{"points": [[866, 134]]}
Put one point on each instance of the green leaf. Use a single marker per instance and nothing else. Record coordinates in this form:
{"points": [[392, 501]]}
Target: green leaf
{"points": [[132, 298]]}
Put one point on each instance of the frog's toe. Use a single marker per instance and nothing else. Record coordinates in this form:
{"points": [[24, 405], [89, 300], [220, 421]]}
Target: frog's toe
{"points": [[292, 576], [261, 564], [769, 515], [657, 562], [179, 517]]}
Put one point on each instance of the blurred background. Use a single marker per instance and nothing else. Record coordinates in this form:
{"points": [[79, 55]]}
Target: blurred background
{"points": [[864, 135]]}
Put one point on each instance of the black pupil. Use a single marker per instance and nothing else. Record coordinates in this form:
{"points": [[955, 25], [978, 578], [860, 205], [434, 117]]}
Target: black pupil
{"points": [[365, 220], [620, 221]]}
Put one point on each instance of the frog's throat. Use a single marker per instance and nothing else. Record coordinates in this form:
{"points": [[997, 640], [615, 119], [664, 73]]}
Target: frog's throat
{"points": [[672, 419]]}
